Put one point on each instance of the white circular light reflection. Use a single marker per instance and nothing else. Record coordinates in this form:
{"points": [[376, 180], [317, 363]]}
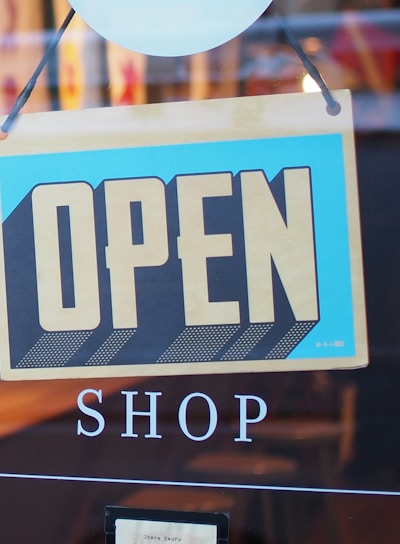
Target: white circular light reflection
{"points": [[169, 27]]}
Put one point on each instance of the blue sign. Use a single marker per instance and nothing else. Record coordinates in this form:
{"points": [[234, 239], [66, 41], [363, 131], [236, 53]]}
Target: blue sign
{"points": [[219, 256]]}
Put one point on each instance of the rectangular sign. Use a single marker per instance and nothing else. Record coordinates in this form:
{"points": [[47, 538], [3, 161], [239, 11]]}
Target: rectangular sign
{"points": [[142, 531], [213, 236], [125, 525]]}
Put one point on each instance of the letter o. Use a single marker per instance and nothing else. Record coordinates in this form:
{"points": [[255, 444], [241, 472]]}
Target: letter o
{"points": [[213, 417]]}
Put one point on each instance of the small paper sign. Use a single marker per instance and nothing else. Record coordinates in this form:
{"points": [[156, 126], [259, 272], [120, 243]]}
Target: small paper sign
{"points": [[125, 525], [213, 236], [129, 531]]}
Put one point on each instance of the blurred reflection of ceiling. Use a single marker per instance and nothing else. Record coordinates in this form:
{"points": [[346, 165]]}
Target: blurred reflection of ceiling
{"points": [[359, 50]]}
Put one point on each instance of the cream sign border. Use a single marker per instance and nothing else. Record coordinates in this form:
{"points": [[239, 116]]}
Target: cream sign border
{"points": [[195, 122]]}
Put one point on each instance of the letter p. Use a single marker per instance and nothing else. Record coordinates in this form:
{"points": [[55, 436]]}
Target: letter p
{"points": [[244, 419]]}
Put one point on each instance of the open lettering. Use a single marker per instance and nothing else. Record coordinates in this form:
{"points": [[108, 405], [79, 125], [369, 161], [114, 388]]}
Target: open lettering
{"points": [[275, 239]]}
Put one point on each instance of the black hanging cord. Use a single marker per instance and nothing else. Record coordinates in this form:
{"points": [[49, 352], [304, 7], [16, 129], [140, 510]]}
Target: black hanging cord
{"points": [[26, 92], [332, 106]]}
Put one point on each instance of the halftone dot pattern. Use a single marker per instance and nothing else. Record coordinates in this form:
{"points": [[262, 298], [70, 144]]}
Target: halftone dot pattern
{"points": [[246, 342], [293, 337], [198, 343], [114, 343], [54, 349]]}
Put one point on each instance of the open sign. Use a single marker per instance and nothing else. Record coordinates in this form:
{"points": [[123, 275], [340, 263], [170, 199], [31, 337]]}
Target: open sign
{"points": [[230, 255]]}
